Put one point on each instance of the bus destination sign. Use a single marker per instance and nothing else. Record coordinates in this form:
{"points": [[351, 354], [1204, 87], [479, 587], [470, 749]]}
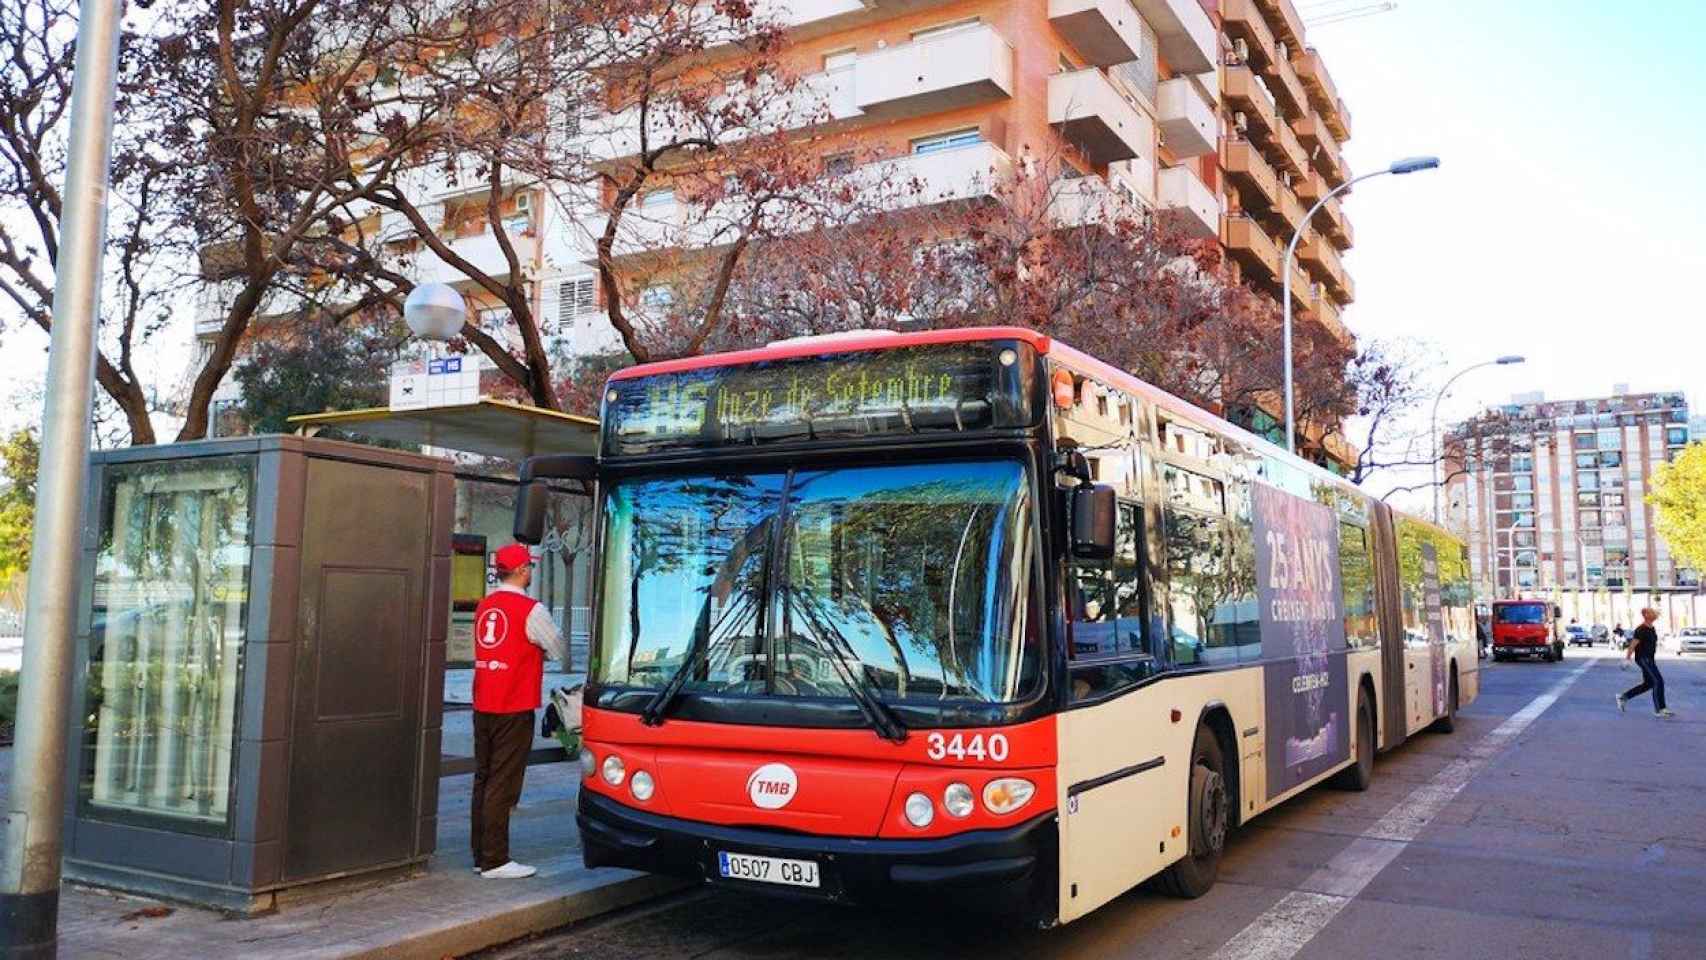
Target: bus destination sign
{"points": [[951, 387]]}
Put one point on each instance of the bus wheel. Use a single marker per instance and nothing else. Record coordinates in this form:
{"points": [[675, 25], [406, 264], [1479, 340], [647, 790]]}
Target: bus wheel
{"points": [[1359, 775], [1209, 810], [1448, 723]]}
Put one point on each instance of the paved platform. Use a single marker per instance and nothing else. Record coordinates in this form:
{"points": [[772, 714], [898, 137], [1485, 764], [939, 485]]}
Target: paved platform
{"points": [[445, 910]]}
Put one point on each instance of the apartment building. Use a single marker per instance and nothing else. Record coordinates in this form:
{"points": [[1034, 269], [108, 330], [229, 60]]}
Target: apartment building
{"points": [[1214, 112], [1553, 494]]}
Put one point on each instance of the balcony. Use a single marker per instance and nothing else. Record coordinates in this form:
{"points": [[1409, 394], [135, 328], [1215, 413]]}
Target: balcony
{"points": [[1293, 159], [1343, 288], [1288, 26], [1313, 133], [1083, 201], [1244, 21], [1189, 124], [904, 182], [1184, 33], [1287, 88], [1093, 116], [1327, 315], [935, 74], [1330, 219], [1104, 32], [1245, 167], [1247, 243], [819, 98], [1245, 95], [1193, 206], [1310, 188], [1315, 254], [480, 250], [1290, 209], [1312, 70]]}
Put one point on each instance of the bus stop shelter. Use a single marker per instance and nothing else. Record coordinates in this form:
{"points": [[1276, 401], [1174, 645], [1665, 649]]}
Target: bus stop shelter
{"points": [[487, 439]]}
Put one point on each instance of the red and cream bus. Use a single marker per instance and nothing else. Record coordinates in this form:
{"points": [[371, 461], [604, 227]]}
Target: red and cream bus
{"points": [[969, 613]]}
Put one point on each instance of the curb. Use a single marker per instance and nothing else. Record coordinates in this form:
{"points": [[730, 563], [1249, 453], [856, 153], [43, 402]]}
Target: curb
{"points": [[459, 937]]}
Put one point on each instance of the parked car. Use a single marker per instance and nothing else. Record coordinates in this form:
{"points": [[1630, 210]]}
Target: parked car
{"points": [[1601, 633], [1578, 636], [1691, 640]]}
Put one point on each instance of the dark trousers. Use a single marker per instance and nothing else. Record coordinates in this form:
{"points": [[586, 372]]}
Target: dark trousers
{"points": [[501, 745], [1651, 679]]}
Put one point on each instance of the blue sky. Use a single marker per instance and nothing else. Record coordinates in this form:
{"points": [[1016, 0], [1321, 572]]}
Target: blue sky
{"points": [[1567, 221]]}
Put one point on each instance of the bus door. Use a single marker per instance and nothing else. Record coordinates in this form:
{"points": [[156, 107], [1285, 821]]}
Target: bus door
{"points": [[1389, 604]]}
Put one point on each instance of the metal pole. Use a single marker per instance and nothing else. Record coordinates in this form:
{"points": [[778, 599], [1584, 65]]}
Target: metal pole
{"points": [[1435, 428], [1285, 299], [29, 858]]}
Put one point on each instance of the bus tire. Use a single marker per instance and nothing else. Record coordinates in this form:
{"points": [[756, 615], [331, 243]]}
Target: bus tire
{"points": [[1360, 774], [1209, 809], [1448, 723]]}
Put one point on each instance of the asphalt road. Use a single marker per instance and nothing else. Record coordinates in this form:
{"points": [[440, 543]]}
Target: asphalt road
{"points": [[1548, 826]]}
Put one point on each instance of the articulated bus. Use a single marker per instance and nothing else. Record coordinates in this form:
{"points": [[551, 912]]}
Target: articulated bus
{"points": [[970, 614]]}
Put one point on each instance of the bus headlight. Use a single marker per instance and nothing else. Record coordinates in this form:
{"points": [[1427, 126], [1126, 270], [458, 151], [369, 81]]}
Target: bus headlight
{"points": [[589, 763], [957, 800], [614, 771], [642, 785], [919, 810], [1007, 794]]}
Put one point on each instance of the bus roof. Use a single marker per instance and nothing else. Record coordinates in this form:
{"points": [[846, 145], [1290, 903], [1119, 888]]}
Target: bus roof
{"points": [[846, 343], [1071, 357]]}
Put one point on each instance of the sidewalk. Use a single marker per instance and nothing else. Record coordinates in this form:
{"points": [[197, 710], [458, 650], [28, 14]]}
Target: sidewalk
{"points": [[445, 910]]}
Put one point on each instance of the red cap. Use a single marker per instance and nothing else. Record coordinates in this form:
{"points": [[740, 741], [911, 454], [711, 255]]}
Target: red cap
{"points": [[512, 558]]}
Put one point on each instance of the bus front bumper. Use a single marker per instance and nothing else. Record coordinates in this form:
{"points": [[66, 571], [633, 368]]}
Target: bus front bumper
{"points": [[1008, 870]]}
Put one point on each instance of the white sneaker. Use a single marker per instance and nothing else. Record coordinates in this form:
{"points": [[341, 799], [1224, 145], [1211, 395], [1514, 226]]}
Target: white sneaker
{"points": [[1665, 713], [1621, 703], [509, 871]]}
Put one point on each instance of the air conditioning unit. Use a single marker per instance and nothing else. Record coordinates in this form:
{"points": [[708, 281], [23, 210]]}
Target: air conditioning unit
{"points": [[524, 202], [1240, 122], [1241, 50]]}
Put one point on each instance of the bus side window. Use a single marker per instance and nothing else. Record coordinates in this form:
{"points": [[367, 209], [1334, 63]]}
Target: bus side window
{"points": [[1106, 606], [1356, 580]]}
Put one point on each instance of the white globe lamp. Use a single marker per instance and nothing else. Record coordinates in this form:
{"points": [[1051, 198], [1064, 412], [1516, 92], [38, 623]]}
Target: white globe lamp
{"points": [[434, 311]]}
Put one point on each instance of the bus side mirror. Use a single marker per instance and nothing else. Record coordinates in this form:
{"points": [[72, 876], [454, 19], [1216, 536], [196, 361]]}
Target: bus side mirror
{"points": [[1093, 521], [530, 502]]}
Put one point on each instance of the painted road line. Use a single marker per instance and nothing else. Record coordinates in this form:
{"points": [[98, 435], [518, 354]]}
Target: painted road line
{"points": [[1291, 923]]}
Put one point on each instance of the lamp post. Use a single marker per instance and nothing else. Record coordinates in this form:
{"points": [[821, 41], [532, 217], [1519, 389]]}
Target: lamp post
{"points": [[1504, 361], [35, 810], [1407, 165]]}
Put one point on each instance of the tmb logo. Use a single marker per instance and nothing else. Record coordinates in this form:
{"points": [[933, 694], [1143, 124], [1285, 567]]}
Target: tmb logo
{"points": [[772, 786]]}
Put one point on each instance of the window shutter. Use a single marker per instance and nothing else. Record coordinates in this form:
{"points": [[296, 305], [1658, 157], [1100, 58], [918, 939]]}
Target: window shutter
{"points": [[576, 298]]}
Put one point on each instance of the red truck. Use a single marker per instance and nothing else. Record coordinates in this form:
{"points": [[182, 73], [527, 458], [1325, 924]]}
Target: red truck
{"points": [[1526, 628]]}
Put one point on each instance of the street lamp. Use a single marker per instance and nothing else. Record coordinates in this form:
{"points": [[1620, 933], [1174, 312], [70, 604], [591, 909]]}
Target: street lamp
{"points": [[1407, 165], [434, 311], [1504, 361]]}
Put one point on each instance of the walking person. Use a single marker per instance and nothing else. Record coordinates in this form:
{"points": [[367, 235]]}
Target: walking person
{"points": [[1643, 647], [512, 634]]}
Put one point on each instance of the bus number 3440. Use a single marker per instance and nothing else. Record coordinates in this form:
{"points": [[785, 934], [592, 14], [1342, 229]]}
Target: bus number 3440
{"points": [[960, 747]]}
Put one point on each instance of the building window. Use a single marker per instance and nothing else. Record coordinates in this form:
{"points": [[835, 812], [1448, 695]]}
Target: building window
{"points": [[576, 298], [947, 141]]}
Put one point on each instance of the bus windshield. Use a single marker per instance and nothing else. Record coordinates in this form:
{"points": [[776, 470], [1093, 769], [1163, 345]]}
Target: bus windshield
{"points": [[910, 581], [1519, 613]]}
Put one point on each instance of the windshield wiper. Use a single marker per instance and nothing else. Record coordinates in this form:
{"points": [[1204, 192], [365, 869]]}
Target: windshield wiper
{"points": [[652, 714], [877, 713]]}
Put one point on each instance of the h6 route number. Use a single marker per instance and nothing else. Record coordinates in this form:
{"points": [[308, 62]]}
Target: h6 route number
{"points": [[961, 747]]}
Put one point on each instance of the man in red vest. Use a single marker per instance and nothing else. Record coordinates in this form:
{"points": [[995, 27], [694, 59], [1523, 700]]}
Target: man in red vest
{"points": [[512, 634]]}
